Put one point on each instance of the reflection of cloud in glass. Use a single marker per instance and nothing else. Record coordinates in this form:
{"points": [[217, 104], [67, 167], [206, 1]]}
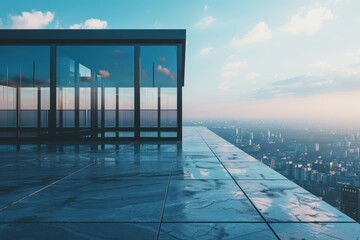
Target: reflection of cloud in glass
{"points": [[104, 73], [162, 59], [308, 208], [237, 170], [204, 173], [117, 53], [165, 71], [263, 203]]}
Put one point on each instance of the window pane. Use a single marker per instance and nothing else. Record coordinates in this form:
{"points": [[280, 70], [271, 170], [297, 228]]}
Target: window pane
{"points": [[168, 107], [24, 76], [98, 71]]}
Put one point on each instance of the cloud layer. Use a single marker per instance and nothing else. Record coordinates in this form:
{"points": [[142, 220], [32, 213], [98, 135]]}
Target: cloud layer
{"points": [[206, 51], [91, 23], [231, 69], [206, 22], [31, 20], [308, 22], [260, 33], [307, 85]]}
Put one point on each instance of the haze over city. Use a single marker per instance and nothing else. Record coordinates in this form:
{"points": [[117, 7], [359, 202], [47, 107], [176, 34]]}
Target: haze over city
{"points": [[245, 59]]}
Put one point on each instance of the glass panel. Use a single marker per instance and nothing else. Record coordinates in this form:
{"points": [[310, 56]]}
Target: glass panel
{"points": [[24, 77], [45, 106], [65, 91], [126, 134], [149, 106], [110, 106], [8, 107], [158, 82], [126, 107], [168, 107], [84, 107], [158, 66], [98, 71], [28, 105], [149, 134], [168, 134]]}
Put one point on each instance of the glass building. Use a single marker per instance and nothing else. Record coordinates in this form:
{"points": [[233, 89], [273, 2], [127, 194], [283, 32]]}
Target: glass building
{"points": [[91, 84]]}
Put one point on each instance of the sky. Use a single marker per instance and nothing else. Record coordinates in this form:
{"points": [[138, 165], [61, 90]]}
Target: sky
{"points": [[283, 59]]}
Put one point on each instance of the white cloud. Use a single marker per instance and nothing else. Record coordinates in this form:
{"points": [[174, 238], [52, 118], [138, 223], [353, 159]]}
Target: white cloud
{"points": [[206, 21], [308, 22], [229, 74], [206, 7], [353, 56], [224, 86], [260, 33], [235, 65], [339, 70], [321, 65], [91, 23], [206, 51], [231, 69], [251, 75], [31, 20]]}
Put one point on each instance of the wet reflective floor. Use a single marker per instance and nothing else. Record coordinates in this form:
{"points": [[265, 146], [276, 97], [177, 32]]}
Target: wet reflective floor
{"points": [[200, 188]]}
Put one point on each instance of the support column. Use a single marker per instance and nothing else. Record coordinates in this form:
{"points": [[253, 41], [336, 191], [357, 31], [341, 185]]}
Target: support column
{"points": [[77, 97], [117, 112], [39, 111], [94, 107], [159, 112], [137, 91], [52, 112], [18, 113], [61, 106], [180, 77], [102, 109]]}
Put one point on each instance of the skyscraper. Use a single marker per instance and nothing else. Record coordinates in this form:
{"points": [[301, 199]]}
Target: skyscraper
{"points": [[350, 201]]}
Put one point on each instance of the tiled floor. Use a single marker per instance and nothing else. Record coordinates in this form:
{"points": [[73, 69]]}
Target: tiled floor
{"points": [[200, 188]]}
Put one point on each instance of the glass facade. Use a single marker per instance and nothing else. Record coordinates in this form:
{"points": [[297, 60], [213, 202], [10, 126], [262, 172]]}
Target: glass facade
{"points": [[24, 90], [158, 87], [91, 90]]}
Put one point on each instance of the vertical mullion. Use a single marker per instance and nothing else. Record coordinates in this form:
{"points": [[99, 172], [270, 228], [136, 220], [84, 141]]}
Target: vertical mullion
{"points": [[52, 112], [159, 111], [61, 113], [39, 111], [179, 90], [117, 111], [77, 97], [94, 107], [137, 90], [18, 113], [102, 109]]}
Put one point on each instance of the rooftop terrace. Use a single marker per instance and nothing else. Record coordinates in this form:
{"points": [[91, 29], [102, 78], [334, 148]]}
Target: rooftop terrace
{"points": [[200, 188]]}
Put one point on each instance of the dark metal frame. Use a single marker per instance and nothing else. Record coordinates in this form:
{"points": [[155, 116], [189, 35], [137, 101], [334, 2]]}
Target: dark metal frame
{"points": [[136, 38]]}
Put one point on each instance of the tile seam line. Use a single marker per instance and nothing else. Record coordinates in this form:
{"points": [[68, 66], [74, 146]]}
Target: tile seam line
{"points": [[273, 231], [165, 197], [53, 183], [172, 222]]}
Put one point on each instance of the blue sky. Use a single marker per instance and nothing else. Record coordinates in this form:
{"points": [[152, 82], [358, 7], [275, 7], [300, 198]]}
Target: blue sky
{"points": [[245, 59]]}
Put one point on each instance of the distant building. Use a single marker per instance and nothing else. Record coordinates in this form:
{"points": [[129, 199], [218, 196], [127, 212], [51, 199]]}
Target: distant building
{"points": [[350, 202]]}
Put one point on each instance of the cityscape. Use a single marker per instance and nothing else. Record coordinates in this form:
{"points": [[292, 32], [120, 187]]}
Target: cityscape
{"points": [[321, 160]]}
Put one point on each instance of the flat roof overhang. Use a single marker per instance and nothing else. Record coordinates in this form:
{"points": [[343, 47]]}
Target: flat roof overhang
{"points": [[92, 36]]}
